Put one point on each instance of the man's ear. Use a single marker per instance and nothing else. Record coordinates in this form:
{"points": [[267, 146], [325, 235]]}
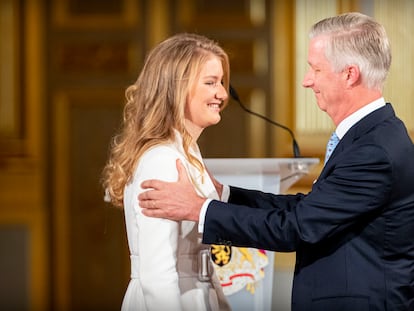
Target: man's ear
{"points": [[352, 75]]}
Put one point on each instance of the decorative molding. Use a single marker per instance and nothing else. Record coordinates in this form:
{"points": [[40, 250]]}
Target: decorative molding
{"points": [[90, 58], [230, 14], [11, 121], [95, 14]]}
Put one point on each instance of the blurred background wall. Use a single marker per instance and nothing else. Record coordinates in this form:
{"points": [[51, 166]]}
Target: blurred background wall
{"points": [[64, 66]]}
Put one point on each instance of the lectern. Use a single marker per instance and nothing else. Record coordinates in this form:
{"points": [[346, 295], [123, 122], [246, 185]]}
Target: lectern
{"points": [[252, 290]]}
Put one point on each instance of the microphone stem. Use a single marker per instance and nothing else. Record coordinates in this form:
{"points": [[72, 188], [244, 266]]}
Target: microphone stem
{"points": [[296, 151]]}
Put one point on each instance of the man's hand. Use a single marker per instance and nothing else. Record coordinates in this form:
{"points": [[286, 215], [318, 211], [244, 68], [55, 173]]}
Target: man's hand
{"points": [[171, 200]]}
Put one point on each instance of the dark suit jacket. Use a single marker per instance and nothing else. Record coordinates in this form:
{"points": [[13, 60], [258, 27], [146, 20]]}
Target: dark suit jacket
{"points": [[353, 233]]}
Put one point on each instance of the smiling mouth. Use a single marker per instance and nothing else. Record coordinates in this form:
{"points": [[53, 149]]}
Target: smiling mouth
{"points": [[215, 106]]}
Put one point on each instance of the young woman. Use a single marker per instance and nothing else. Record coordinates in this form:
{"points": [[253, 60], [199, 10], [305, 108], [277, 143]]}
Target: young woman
{"points": [[181, 90]]}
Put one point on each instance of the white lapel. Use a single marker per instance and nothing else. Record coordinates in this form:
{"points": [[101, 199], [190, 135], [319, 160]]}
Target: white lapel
{"points": [[202, 181]]}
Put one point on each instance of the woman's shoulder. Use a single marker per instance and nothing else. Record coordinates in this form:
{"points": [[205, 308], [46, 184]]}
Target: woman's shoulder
{"points": [[159, 162], [161, 152]]}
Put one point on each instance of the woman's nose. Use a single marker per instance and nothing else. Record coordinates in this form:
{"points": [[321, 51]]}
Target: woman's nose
{"points": [[221, 93]]}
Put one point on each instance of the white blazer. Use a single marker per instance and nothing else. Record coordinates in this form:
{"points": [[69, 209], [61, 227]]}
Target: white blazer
{"points": [[165, 254]]}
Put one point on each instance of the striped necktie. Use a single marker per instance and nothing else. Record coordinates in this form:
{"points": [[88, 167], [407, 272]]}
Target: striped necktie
{"points": [[330, 147]]}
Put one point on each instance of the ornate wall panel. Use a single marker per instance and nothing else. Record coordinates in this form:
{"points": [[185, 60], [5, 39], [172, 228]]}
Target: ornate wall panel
{"points": [[90, 240], [23, 213], [95, 51], [11, 104]]}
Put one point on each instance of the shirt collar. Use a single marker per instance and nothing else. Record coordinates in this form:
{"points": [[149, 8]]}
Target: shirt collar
{"points": [[349, 121]]}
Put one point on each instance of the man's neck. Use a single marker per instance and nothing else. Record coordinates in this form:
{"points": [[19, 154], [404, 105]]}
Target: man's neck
{"points": [[358, 99]]}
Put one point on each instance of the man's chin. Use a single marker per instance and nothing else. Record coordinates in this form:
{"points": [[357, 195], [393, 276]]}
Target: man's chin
{"points": [[321, 106]]}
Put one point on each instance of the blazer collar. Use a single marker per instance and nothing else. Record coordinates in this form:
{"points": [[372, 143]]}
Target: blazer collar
{"points": [[363, 126], [367, 123]]}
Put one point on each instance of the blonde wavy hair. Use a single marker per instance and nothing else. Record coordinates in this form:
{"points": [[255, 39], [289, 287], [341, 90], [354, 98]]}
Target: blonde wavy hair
{"points": [[155, 106]]}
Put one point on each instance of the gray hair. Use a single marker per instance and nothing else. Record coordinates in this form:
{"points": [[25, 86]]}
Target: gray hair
{"points": [[357, 39]]}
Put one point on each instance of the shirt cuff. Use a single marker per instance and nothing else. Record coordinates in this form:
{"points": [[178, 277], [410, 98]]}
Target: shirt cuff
{"points": [[226, 193], [224, 197], [202, 215]]}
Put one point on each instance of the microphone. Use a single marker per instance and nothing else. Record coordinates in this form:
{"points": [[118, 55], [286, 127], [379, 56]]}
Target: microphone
{"points": [[235, 96]]}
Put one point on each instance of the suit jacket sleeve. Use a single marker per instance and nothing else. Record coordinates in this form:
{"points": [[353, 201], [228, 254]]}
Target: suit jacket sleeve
{"points": [[357, 185]]}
